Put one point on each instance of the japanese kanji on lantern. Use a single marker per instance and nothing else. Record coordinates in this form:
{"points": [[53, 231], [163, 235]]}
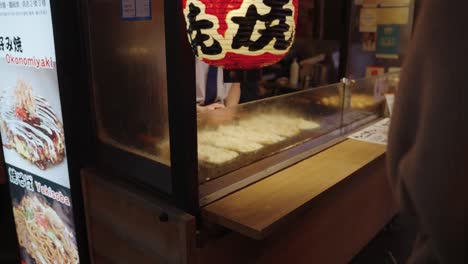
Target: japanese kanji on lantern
{"points": [[240, 34]]}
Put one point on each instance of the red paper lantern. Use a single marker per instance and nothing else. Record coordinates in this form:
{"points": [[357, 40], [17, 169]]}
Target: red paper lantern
{"points": [[240, 34]]}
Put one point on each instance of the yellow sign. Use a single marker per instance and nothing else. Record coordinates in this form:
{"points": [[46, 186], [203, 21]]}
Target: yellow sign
{"points": [[386, 3], [395, 16], [370, 3], [394, 2]]}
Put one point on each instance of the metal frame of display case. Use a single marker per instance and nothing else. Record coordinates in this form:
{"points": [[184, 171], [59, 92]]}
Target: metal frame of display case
{"points": [[182, 109], [176, 183]]}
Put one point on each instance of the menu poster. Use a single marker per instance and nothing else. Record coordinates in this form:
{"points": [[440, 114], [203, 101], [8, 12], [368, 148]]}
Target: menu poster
{"points": [[32, 134], [368, 40], [394, 69], [390, 99], [376, 133], [388, 41], [374, 71], [43, 217], [380, 88], [393, 16], [368, 20], [132, 10]]}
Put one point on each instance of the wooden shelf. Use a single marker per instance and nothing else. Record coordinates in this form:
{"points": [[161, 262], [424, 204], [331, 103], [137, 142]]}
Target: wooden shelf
{"points": [[257, 210]]}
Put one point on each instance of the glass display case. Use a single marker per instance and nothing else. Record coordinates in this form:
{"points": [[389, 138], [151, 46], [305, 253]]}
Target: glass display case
{"points": [[240, 145], [231, 138], [365, 98]]}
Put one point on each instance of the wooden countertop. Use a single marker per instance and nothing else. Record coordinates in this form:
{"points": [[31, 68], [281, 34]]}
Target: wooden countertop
{"points": [[257, 209]]}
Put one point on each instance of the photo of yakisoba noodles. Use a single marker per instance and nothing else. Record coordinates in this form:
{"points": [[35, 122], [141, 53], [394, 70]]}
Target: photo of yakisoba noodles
{"points": [[43, 234]]}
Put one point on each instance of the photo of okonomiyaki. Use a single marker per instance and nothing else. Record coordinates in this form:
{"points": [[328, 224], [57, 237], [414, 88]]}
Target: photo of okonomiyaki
{"points": [[31, 127]]}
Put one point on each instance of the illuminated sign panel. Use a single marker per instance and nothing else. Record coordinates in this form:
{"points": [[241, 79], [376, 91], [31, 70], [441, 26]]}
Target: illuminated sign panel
{"points": [[32, 134]]}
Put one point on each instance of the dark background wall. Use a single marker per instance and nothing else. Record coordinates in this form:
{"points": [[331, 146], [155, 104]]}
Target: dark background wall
{"points": [[8, 243]]}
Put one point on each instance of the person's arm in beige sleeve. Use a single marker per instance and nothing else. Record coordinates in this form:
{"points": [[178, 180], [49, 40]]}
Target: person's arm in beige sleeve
{"points": [[428, 164], [233, 96]]}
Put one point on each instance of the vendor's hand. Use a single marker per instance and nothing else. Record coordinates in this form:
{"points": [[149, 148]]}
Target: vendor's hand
{"points": [[222, 115], [283, 81], [211, 107]]}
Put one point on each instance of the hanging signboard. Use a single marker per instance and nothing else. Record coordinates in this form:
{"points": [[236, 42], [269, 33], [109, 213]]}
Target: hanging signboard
{"points": [[240, 34], [32, 134]]}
